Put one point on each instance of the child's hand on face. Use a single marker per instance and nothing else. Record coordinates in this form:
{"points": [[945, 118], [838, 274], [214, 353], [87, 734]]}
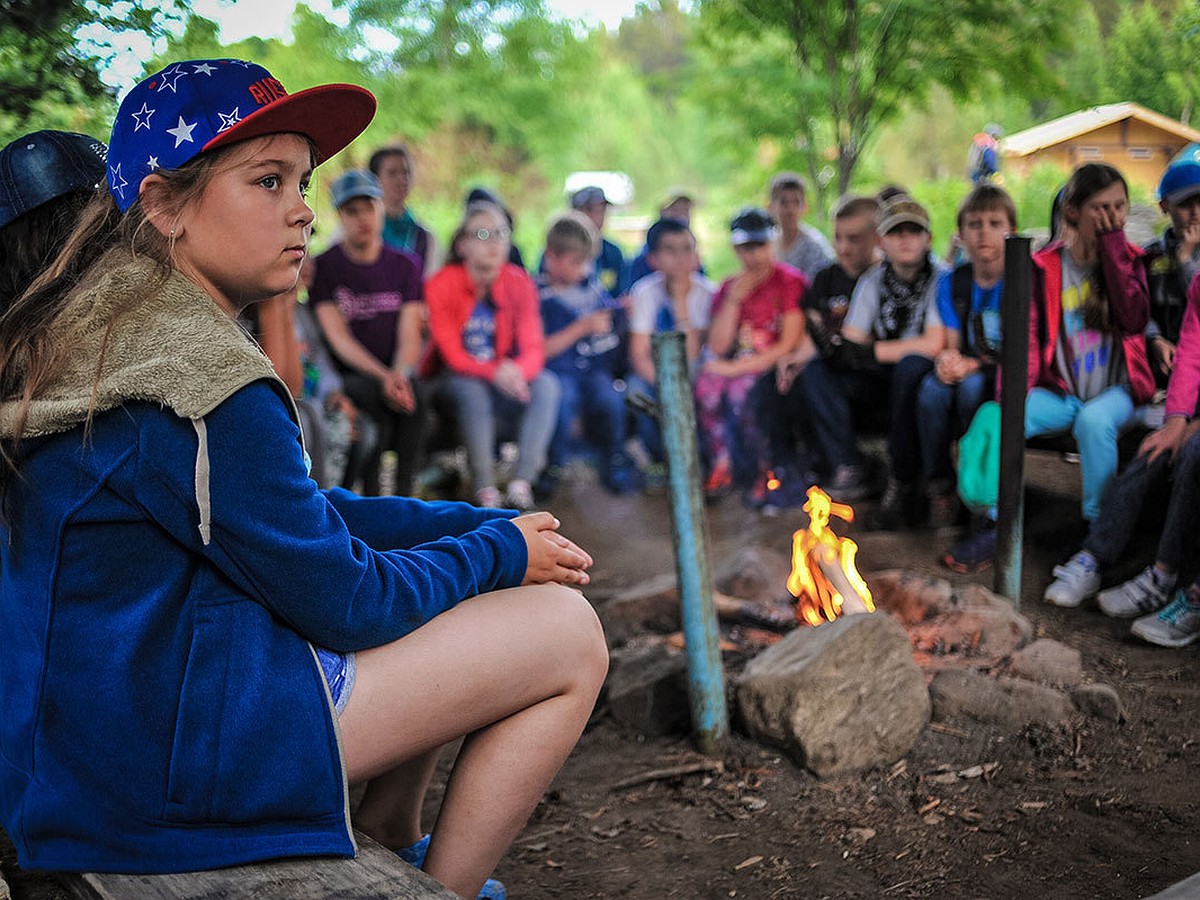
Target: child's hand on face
{"points": [[552, 557], [1189, 240], [1107, 220]]}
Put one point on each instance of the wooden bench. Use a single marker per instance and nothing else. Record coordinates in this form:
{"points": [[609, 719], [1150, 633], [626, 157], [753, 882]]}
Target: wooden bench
{"points": [[376, 874]]}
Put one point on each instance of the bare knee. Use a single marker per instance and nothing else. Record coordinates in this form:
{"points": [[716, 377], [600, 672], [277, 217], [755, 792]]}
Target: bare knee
{"points": [[576, 630]]}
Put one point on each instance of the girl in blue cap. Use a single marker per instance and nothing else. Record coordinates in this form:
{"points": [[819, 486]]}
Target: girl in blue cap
{"points": [[203, 649]]}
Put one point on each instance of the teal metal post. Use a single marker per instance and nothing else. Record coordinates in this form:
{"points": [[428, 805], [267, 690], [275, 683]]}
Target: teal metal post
{"points": [[1014, 361], [677, 420]]}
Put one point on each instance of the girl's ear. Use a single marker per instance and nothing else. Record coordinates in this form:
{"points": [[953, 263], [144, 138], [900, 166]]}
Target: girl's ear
{"points": [[159, 212]]}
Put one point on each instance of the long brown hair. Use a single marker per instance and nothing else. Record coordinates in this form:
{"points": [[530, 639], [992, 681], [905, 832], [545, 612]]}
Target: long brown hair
{"points": [[34, 345]]}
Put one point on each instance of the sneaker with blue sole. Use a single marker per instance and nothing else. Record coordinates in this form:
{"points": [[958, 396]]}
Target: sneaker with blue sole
{"points": [[414, 855]]}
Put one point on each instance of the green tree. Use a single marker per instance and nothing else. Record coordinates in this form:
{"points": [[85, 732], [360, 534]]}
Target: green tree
{"points": [[52, 54], [859, 62], [1142, 55]]}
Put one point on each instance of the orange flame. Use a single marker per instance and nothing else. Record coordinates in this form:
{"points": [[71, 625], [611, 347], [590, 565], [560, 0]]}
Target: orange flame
{"points": [[824, 579]]}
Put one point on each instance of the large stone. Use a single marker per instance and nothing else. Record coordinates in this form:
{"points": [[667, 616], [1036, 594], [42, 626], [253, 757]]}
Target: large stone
{"points": [[754, 573], [1048, 662], [839, 697], [1011, 703], [652, 606], [1099, 700], [646, 689], [910, 597]]}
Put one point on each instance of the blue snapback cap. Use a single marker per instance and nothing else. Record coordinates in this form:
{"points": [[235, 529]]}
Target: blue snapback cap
{"points": [[355, 183], [1180, 181], [45, 165], [197, 105]]}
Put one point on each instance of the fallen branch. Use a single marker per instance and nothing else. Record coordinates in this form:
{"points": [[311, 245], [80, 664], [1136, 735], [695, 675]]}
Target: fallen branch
{"points": [[692, 768]]}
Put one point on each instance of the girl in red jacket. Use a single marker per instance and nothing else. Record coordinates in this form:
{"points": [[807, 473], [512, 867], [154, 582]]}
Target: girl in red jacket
{"points": [[485, 326], [1087, 351]]}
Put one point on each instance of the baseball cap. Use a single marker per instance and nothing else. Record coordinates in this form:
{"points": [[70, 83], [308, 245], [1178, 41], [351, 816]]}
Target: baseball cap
{"points": [[355, 183], [197, 105], [45, 165], [752, 225], [587, 196], [902, 210], [1180, 181]]}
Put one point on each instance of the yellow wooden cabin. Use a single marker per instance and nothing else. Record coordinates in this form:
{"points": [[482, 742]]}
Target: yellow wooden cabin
{"points": [[1137, 140]]}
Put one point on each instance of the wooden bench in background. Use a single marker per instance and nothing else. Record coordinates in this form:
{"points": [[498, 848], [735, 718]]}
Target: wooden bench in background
{"points": [[377, 874]]}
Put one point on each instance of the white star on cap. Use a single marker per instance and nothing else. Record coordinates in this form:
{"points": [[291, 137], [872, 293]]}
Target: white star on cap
{"points": [[141, 118], [203, 67], [118, 183], [152, 163], [170, 77], [228, 120], [183, 132]]}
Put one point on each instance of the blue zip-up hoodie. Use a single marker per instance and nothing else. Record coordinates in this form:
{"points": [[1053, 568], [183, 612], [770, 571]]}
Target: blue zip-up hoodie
{"points": [[166, 573]]}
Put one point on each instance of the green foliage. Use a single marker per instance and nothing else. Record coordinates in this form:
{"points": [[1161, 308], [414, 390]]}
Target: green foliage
{"points": [[858, 65], [52, 53], [1142, 52]]}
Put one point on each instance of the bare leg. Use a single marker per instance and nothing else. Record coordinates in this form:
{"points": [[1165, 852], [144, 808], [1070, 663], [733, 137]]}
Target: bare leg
{"points": [[517, 672], [390, 811]]}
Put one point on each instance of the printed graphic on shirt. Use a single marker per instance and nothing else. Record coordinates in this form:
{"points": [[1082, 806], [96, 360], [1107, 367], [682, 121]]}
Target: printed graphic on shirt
{"points": [[356, 307], [1089, 348], [479, 333]]}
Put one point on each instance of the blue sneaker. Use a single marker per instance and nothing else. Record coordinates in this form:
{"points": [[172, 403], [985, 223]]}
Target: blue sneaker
{"points": [[788, 490], [976, 551], [414, 855], [621, 475]]}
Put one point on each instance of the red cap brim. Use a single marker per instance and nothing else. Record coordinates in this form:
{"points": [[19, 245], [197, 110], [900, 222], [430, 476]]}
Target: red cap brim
{"points": [[330, 115]]}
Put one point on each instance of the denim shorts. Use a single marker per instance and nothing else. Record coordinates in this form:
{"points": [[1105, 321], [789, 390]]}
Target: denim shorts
{"points": [[339, 671]]}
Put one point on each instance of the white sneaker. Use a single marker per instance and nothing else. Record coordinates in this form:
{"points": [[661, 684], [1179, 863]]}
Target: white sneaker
{"points": [[1075, 581], [520, 495], [1177, 625], [1136, 597], [488, 497]]}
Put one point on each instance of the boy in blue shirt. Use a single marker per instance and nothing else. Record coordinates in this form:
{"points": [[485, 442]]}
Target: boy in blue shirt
{"points": [[964, 373], [581, 349]]}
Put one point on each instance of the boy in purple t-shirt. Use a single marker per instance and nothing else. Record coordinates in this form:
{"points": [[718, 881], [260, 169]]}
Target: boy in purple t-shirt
{"points": [[368, 301]]}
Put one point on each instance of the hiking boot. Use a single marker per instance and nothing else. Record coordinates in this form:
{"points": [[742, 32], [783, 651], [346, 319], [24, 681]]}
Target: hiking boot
{"points": [[976, 551], [849, 483], [943, 505], [719, 480], [895, 506], [1147, 592], [1177, 625], [1074, 581], [621, 475]]}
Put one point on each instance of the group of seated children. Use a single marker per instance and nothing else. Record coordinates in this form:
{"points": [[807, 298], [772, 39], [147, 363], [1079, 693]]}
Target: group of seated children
{"points": [[791, 358]]}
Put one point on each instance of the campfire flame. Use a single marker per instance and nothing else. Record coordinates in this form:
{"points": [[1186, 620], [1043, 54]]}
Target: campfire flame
{"points": [[824, 579]]}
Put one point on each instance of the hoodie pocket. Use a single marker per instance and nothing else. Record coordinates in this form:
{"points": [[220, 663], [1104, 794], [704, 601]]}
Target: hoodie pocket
{"points": [[196, 759]]}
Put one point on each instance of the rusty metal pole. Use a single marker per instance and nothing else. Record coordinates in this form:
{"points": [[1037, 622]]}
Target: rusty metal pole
{"points": [[689, 529], [1014, 361]]}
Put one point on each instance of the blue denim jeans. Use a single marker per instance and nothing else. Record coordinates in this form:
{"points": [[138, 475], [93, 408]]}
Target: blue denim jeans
{"points": [[646, 427], [944, 411], [830, 396], [1096, 425], [592, 398], [485, 414], [1123, 503]]}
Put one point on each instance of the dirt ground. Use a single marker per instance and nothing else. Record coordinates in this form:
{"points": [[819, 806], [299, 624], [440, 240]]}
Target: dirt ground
{"points": [[1096, 810], [1093, 810]]}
